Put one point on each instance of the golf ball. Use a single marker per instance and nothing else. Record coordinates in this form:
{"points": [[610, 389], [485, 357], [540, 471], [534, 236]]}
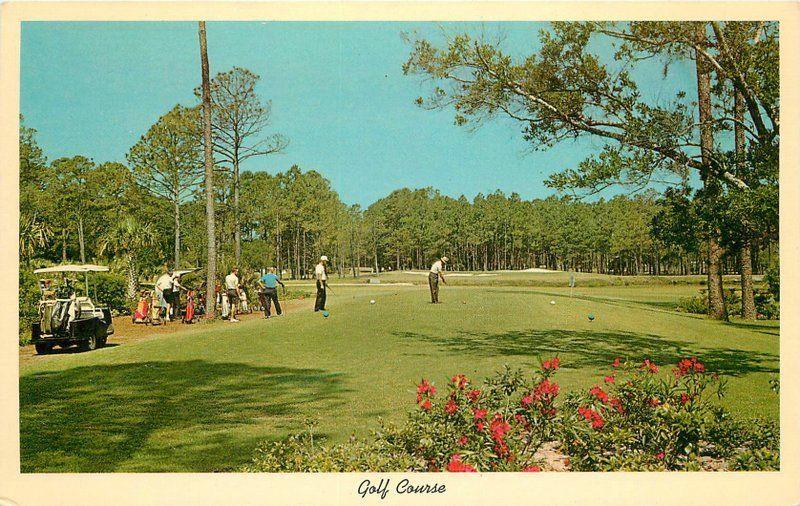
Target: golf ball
{"points": [[372, 301], [552, 302], [325, 314]]}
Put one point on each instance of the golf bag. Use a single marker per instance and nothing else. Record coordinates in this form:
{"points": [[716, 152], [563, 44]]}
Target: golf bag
{"points": [[188, 315], [155, 310], [142, 312]]}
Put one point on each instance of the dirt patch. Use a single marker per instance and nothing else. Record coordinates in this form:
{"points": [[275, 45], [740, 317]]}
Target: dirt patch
{"points": [[126, 332]]}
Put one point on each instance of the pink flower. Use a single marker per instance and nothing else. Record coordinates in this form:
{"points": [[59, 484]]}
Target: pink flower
{"points": [[660, 456], [462, 441], [609, 379], [473, 395], [480, 414], [526, 401], [616, 363], [532, 469]]}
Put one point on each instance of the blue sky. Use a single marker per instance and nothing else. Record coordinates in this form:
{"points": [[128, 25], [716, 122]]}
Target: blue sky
{"points": [[337, 90]]}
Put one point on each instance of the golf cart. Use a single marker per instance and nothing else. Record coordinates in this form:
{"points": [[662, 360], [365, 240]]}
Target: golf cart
{"points": [[66, 319]]}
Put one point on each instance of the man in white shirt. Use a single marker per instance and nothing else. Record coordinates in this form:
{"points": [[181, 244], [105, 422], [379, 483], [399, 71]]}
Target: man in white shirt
{"points": [[437, 271], [232, 287], [164, 290], [321, 275], [175, 296]]}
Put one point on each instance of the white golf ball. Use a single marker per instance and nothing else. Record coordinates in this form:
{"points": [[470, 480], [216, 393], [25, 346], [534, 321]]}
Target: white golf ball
{"points": [[552, 302], [372, 301]]}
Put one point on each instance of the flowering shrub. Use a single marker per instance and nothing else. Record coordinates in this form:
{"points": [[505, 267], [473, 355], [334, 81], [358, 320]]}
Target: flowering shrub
{"points": [[639, 417], [496, 426]]}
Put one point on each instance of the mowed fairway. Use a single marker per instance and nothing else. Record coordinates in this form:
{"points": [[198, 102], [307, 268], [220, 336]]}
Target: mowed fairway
{"points": [[202, 399]]}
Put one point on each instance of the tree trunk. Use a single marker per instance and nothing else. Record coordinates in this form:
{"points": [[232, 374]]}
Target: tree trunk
{"points": [[716, 299], [177, 235], [64, 245], [211, 273], [745, 255], [133, 281], [80, 239], [237, 231]]}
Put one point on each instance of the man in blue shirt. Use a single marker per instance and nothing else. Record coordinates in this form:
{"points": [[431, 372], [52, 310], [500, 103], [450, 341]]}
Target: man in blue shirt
{"points": [[269, 292]]}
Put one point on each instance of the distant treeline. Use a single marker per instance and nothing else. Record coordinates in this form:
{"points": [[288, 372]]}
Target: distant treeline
{"points": [[73, 209]]}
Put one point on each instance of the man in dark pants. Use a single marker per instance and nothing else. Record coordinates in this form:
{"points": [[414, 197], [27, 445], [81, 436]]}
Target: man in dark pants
{"points": [[321, 275], [269, 294], [437, 271]]}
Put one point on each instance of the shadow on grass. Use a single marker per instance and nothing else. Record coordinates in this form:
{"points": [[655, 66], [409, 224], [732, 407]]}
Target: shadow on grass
{"points": [[599, 349], [755, 327], [162, 416]]}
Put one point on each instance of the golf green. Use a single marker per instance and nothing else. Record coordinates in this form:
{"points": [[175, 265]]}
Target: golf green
{"points": [[202, 399]]}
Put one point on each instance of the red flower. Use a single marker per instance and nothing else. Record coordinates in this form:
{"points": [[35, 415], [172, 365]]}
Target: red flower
{"points": [[456, 466], [609, 379], [480, 414], [460, 381], [423, 387], [499, 427], [451, 407], [649, 366], [660, 456], [599, 394], [551, 364], [473, 395], [462, 441], [426, 405], [526, 401], [685, 398], [480, 425], [532, 469], [616, 362], [655, 401], [592, 416], [689, 366], [616, 404]]}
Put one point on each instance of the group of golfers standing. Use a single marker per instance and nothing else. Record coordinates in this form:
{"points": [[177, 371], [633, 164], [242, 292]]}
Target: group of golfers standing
{"points": [[168, 288]]}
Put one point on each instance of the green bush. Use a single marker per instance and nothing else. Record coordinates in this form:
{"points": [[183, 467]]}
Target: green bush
{"points": [[772, 278], [306, 453], [696, 305], [761, 459], [767, 306], [110, 289], [29, 296]]}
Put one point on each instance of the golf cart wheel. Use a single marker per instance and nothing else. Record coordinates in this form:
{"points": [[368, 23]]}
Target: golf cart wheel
{"points": [[101, 341], [43, 348], [89, 344]]}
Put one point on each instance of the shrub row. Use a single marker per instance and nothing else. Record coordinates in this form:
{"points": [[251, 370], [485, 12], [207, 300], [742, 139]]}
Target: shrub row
{"points": [[635, 419]]}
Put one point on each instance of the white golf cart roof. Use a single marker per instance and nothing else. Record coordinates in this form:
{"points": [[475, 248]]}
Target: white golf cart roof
{"points": [[181, 272], [73, 268]]}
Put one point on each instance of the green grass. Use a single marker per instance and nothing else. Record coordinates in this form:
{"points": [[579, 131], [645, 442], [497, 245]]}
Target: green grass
{"points": [[202, 399]]}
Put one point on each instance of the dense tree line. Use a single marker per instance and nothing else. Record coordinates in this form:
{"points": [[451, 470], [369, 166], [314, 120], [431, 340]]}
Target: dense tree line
{"points": [[290, 218]]}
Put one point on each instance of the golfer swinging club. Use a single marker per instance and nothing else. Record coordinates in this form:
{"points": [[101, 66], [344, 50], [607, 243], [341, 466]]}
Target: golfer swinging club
{"points": [[437, 271], [321, 275]]}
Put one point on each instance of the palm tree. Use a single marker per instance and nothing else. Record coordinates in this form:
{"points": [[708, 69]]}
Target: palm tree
{"points": [[33, 234], [126, 240]]}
